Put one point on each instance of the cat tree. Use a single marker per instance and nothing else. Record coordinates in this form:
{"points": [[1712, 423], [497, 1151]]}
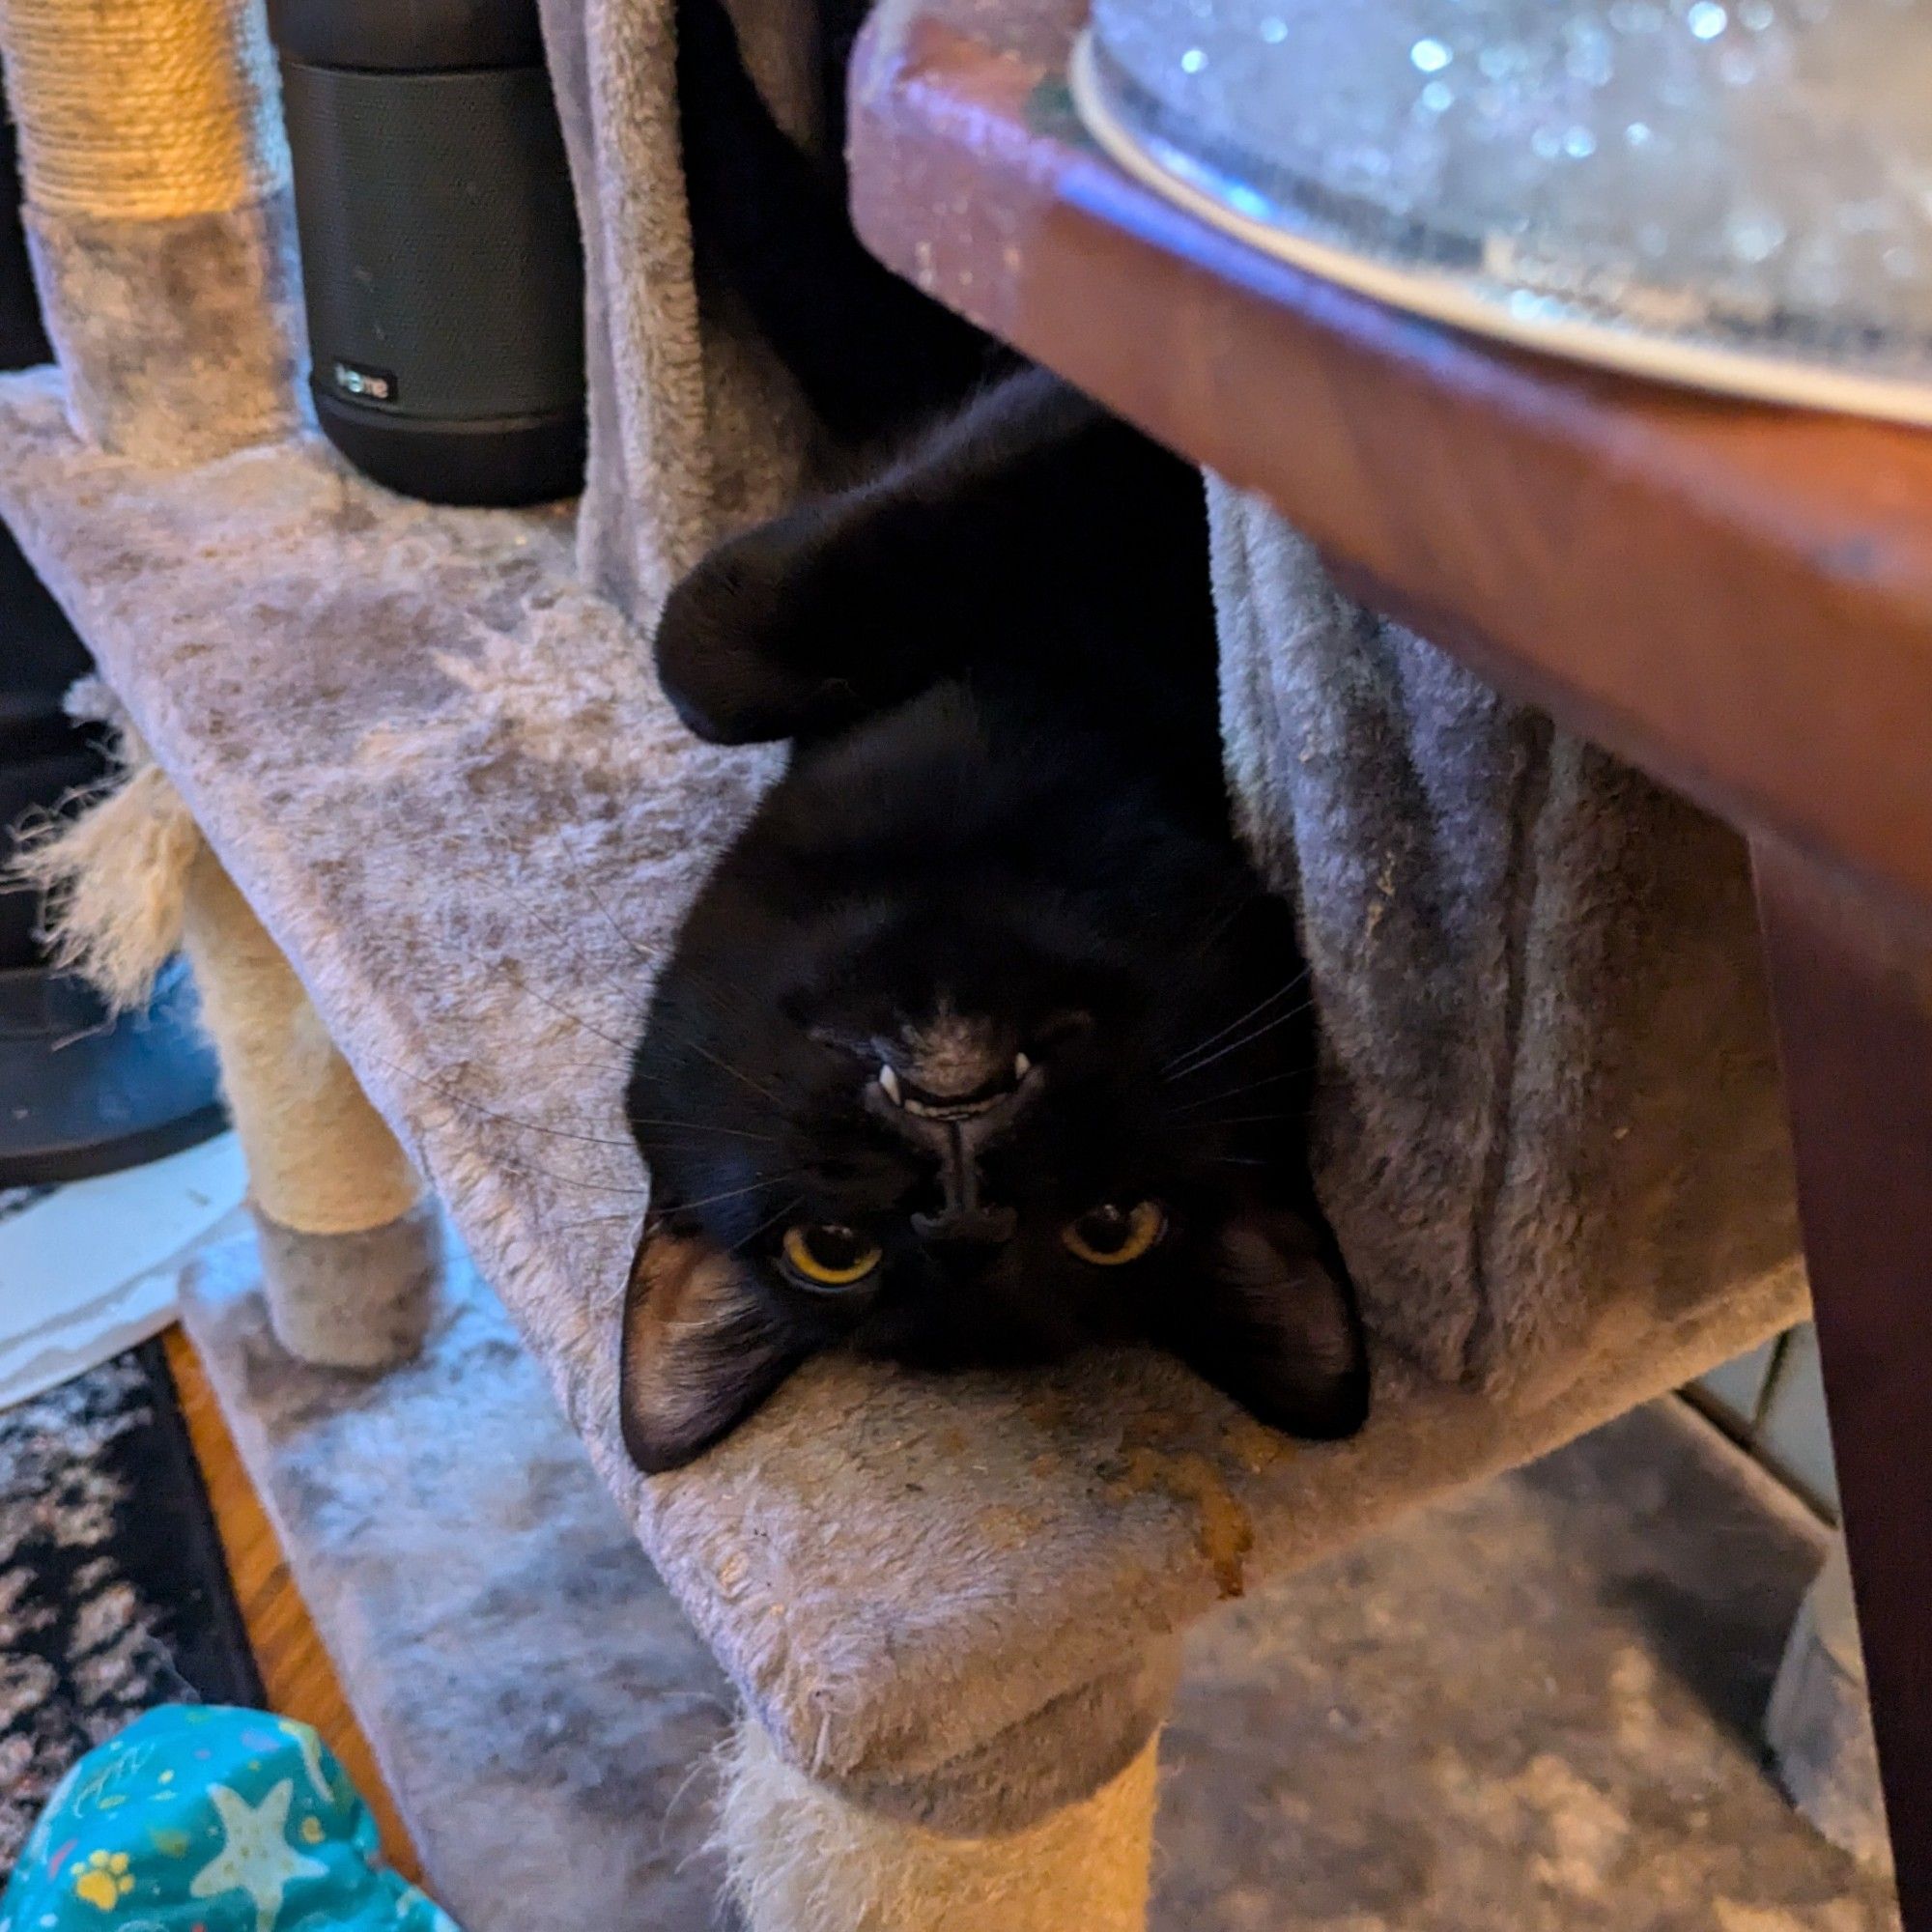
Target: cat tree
{"points": [[426, 822]]}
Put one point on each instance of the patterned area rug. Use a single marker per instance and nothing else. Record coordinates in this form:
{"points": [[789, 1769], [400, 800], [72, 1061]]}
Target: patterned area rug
{"points": [[113, 1595]]}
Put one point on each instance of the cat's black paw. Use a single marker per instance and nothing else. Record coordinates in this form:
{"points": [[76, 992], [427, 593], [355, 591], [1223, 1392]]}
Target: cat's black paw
{"points": [[747, 638]]}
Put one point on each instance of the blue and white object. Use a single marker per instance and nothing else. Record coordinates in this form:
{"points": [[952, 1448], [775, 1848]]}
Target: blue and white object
{"points": [[200, 1818]]}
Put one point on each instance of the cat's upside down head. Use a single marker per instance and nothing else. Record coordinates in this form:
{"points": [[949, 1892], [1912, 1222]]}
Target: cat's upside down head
{"points": [[973, 1051]]}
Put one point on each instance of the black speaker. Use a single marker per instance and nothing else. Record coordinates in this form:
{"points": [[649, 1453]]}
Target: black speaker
{"points": [[441, 266]]}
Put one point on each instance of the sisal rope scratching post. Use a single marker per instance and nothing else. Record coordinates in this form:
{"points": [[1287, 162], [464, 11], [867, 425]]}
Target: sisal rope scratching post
{"points": [[350, 1243], [801, 1858], [155, 176]]}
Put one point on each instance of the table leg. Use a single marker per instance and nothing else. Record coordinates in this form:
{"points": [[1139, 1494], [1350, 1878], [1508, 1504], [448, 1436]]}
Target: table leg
{"points": [[1852, 984]]}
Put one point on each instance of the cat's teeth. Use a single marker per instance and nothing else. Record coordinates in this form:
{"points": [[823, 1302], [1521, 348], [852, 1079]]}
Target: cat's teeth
{"points": [[889, 1085], [1022, 1066]]}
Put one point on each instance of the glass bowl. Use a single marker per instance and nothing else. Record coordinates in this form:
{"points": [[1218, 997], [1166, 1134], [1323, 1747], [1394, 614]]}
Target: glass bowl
{"points": [[1732, 193]]}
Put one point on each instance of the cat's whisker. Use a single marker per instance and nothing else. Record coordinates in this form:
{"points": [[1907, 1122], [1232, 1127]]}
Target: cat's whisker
{"points": [[1212, 936], [529, 1171], [726, 1067], [456, 1099], [580, 1221], [1173, 1070], [650, 955], [655, 1024], [1194, 1106], [571, 942], [598, 1070], [1184, 1062], [737, 1193], [704, 1128], [770, 1221], [1201, 1065], [562, 1012], [694, 1046]]}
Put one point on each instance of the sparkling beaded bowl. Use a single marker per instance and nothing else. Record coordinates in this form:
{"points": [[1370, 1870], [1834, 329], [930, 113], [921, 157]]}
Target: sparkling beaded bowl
{"points": [[1730, 193]]}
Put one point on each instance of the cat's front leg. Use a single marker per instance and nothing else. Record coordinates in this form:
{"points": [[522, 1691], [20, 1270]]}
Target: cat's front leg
{"points": [[787, 630], [1030, 524]]}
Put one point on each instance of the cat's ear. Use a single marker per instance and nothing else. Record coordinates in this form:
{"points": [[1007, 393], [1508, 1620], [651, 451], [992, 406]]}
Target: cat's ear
{"points": [[1273, 1325], [701, 1350]]}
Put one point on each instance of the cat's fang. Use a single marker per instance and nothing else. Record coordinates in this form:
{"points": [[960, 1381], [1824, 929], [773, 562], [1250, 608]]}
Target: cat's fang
{"points": [[889, 1085], [1022, 1066]]}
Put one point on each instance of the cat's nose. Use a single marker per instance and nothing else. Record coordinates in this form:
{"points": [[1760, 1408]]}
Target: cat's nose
{"points": [[989, 1226], [955, 1134]]}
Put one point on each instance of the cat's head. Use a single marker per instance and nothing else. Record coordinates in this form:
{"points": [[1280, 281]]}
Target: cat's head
{"points": [[978, 1131]]}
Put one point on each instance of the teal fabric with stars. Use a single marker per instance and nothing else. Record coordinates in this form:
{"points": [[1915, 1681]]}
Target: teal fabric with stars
{"points": [[201, 1819]]}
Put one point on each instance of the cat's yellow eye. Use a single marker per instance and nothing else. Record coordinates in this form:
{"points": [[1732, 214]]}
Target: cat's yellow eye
{"points": [[1111, 1237], [827, 1256]]}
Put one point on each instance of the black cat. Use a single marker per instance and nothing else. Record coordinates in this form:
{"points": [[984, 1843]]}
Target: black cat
{"points": [[983, 1042]]}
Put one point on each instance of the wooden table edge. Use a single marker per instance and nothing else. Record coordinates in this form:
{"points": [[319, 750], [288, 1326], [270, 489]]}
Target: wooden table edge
{"points": [[1735, 597]]}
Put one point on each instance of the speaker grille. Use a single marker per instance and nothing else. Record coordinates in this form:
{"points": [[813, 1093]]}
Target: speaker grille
{"points": [[440, 261]]}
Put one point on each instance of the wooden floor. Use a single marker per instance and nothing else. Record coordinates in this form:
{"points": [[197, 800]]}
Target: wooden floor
{"points": [[295, 1668]]}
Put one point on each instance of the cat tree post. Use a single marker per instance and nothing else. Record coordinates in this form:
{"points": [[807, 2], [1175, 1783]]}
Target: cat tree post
{"points": [[1046, 1825], [805, 1858], [155, 176], [350, 1244]]}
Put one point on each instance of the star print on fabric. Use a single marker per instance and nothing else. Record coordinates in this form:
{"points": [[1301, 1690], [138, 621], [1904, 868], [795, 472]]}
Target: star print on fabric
{"points": [[310, 1746], [256, 1856]]}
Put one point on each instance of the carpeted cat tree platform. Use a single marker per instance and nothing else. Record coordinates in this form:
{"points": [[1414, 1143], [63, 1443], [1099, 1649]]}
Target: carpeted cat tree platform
{"points": [[426, 823]]}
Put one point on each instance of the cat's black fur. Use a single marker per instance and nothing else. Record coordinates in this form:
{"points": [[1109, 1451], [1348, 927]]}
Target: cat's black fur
{"points": [[768, 223], [988, 958]]}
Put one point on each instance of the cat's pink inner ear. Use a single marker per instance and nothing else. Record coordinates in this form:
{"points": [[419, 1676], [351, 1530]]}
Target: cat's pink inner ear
{"points": [[701, 1349]]}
